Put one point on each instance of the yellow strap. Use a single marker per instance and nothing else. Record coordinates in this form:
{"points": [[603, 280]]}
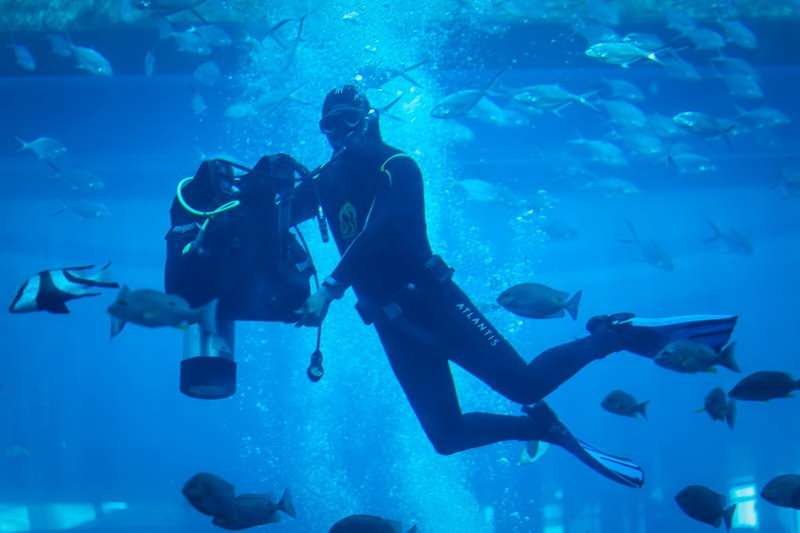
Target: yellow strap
{"points": [[395, 156]]}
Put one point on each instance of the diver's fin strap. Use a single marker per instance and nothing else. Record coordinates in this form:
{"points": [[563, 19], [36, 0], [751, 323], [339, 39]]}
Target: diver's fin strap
{"points": [[395, 156]]}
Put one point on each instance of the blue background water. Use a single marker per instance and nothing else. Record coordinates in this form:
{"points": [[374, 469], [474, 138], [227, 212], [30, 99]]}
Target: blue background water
{"points": [[90, 420]]}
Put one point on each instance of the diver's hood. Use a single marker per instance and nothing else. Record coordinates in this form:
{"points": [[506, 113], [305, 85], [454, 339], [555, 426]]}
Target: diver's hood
{"points": [[200, 191]]}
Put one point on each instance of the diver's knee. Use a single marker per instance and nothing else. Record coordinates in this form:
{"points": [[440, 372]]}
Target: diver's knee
{"points": [[445, 446], [446, 441], [525, 393]]}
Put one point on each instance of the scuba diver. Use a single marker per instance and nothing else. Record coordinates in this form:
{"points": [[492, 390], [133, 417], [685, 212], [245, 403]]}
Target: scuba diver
{"points": [[230, 241], [372, 197]]}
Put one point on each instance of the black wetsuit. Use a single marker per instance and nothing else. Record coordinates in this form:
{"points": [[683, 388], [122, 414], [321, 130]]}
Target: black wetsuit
{"points": [[424, 321]]}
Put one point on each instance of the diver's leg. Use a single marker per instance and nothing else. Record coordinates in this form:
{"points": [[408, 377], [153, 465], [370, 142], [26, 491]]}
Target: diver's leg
{"points": [[556, 365], [481, 350], [424, 374], [428, 384]]}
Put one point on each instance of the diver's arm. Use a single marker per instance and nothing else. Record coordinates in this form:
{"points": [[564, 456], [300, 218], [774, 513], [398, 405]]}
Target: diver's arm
{"points": [[398, 199]]}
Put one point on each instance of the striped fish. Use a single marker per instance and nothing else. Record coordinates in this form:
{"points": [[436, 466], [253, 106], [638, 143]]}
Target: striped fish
{"points": [[50, 290]]}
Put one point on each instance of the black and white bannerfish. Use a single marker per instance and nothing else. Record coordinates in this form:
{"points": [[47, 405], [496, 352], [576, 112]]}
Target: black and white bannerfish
{"points": [[50, 290]]}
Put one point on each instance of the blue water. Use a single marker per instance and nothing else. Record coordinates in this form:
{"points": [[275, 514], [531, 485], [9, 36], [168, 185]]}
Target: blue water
{"points": [[88, 420]]}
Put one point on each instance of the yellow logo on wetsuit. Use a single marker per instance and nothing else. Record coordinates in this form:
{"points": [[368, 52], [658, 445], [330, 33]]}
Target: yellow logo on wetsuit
{"points": [[348, 221]]}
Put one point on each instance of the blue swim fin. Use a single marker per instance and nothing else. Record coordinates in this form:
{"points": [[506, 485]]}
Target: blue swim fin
{"points": [[712, 330], [647, 336], [613, 467]]}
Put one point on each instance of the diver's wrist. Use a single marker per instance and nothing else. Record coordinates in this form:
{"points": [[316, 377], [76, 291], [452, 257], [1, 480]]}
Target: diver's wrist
{"points": [[333, 287]]}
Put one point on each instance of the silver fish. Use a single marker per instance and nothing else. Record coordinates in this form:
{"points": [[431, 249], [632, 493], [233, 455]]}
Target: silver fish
{"points": [[460, 103], [739, 34], [620, 53], [612, 187], [650, 252], [86, 210], [734, 240], [190, 42], [166, 8], [679, 68], [479, 190], [241, 110], [602, 11], [199, 104], [790, 182], [601, 152], [60, 45], [690, 163], [705, 39], [743, 87], [733, 66], [91, 61], [45, 148], [558, 230], [625, 90], [551, 97], [24, 57], [664, 126], [679, 20], [81, 180], [642, 142], [704, 124], [624, 114], [763, 117], [595, 33], [214, 35], [207, 74], [375, 77], [647, 41], [149, 63]]}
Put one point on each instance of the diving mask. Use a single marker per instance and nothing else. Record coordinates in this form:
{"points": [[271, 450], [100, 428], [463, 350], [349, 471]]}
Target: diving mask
{"points": [[341, 119]]}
